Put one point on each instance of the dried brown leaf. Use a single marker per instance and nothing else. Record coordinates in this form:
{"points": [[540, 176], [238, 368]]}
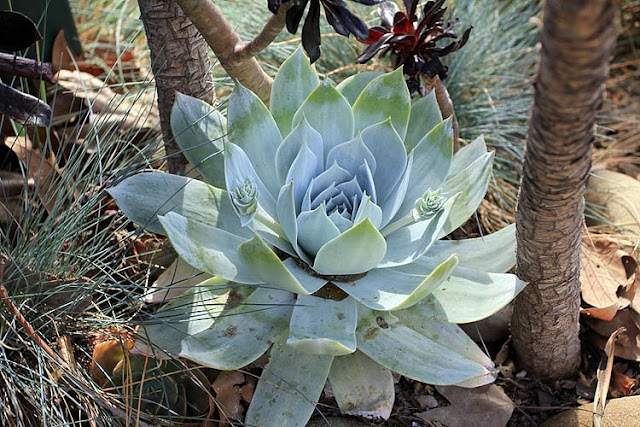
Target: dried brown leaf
{"points": [[486, 406], [232, 388], [608, 277], [627, 345], [604, 377]]}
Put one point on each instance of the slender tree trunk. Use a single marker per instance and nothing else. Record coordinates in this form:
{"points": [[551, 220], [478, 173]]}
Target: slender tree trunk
{"points": [[180, 62], [577, 38]]}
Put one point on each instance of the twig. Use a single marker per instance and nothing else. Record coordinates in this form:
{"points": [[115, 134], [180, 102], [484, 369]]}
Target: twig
{"points": [[224, 42], [446, 106], [271, 29], [25, 67]]}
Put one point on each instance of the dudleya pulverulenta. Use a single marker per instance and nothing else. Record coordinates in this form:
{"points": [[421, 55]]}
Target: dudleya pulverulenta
{"points": [[327, 239]]}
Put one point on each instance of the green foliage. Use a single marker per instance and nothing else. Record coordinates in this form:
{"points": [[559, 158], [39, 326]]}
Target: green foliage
{"points": [[324, 231]]}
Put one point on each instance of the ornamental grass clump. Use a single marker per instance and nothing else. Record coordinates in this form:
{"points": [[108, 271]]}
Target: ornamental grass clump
{"points": [[321, 218]]}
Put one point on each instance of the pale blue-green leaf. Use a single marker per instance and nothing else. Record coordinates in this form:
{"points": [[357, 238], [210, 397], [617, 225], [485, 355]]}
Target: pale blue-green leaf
{"points": [[315, 229], [355, 251], [351, 155], [289, 388], [391, 205], [494, 253], [265, 264], [290, 147], [431, 161], [323, 326], [387, 289], [391, 157], [365, 179], [467, 155], [449, 335], [199, 129], [190, 313], [472, 184], [361, 386], [386, 340], [386, 96], [301, 172], [368, 209], [238, 169], [351, 87], [293, 83], [271, 232], [409, 243], [341, 222], [207, 248], [144, 196], [287, 218], [425, 115], [329, 113], [173, 281], [468, 296], [333, 175], [350, 189], [243, 334], [252, 128], [303, 275]]}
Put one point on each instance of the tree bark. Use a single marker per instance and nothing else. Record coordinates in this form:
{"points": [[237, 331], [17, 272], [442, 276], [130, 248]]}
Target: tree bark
{"points": [[577, 40], [180, 62]]}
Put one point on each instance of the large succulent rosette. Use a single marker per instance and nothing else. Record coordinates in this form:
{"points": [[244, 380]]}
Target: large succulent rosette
{"points": [[320, 221]]}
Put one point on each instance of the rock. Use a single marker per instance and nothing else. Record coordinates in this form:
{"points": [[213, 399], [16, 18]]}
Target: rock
{"points": [[619, 195], [623, 412], [338, 422]]}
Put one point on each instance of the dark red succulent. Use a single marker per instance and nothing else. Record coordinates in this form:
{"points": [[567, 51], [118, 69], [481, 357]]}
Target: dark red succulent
{"points": [[412, 39], [338, 15]]}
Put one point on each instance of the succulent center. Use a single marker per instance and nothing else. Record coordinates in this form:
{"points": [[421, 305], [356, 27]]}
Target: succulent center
{"points": [[429, 204], [245, 197]]}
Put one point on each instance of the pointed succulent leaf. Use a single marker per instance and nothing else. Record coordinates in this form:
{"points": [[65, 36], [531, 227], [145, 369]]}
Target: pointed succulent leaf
{"points": [[244, 334], [144, 196], [387, 148], [293, 83], [425, 115], [315, 229], [286, 208], [412, 241], [467, 155], [290, 147], [271, 232], [472, 184], [303, 275], [341, 222], [265, 264], [186, 315], [391, 205], [352, 87], [200, 131], [368, 209], [387, 289], [301, 172], [431, 161], [350, 155], [243, 183], [252, 128], [323, 326], [494, 253], [386, 96], [329, 113], [355, 251], [361, 386], [386, 340], [207, 248], [468, 296], [449, 335], [289, 387]]}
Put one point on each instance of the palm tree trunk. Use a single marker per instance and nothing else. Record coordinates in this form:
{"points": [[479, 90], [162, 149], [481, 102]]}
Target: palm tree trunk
{"points": [[180, 62], [577, 39]]}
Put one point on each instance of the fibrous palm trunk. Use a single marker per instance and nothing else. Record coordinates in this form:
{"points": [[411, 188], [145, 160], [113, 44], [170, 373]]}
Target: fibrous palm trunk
{"points": [[180, 62], [577, 39]]}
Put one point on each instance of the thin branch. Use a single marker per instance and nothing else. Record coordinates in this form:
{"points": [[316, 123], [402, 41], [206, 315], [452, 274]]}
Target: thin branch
{"points": [[225, 42], [271, 30], [446, 106]]}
